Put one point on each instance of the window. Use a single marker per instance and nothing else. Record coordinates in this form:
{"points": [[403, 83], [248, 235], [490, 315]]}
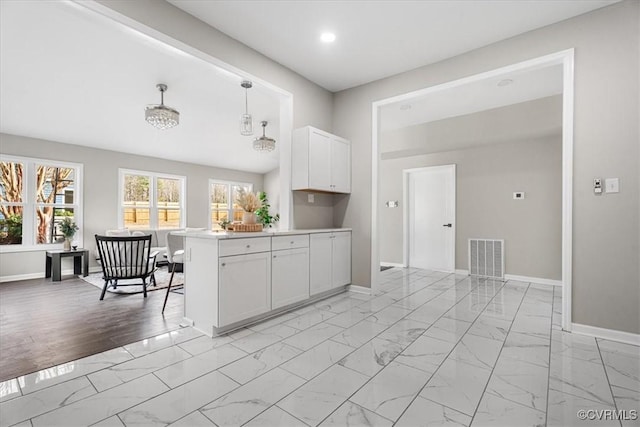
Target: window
{"points": [[151, 200], [223, 207], [35, 195]]}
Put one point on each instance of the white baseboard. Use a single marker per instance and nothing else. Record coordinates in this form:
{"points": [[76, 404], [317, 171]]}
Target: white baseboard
{"points": [[40, 275], [16, 277], [359, 289], [607, 334], [462, 272], [392, 264], [538, 280], [186, 322]]}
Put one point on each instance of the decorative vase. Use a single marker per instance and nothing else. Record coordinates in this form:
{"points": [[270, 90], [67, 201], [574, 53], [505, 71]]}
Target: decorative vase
{"points": [[67, 244], [248, 217]]}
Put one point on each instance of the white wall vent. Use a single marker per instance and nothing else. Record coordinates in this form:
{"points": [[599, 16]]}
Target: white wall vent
{"points": [[486, 257]]}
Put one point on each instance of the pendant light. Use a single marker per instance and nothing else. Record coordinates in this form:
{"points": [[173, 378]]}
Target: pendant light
{"points": [[264, 143], [246, 121], [160, 116]]}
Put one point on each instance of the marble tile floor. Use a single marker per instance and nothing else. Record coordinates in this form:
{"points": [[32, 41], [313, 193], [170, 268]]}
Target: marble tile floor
{"points": [[428, 349]]}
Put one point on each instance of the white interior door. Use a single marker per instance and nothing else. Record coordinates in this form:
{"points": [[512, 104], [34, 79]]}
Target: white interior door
{"points": [[431, 205]]}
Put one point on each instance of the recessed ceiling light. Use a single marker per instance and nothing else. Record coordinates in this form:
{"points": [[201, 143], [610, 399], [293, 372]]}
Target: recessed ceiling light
{"points": [[405, 107], [505, 82], [328, 37]]}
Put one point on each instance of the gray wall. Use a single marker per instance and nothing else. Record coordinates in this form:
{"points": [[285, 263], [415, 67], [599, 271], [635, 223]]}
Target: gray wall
{"points": [[100, 198], [486, 178], [606, 233]]}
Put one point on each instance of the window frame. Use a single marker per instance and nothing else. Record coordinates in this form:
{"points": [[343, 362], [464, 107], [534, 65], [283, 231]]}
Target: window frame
{"points": [[29, 203], [153, 196], [230, 185]]}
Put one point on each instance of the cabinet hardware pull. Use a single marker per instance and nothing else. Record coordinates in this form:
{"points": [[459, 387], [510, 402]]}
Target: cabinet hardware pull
{"points": [[275, 256], [223, 264], [248, 246], [292, 242]]}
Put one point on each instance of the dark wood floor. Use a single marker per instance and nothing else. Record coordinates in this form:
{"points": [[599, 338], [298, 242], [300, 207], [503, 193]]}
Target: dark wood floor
{"points": [[45, 323]]}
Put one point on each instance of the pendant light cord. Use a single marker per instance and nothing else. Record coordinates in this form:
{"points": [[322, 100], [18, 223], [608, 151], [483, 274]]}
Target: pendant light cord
{"points": [[246, 100]]}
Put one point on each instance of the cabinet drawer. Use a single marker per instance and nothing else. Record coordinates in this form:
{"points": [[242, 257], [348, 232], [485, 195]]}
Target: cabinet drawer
{"points": [[244, 246], [290, 242]]}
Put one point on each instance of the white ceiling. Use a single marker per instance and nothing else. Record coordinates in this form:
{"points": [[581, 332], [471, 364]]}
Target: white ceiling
{"points": [[527, 85], [375, 39], [68, 74]]}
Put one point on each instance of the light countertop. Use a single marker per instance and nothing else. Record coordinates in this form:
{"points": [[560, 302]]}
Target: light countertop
{"points": [[240, 235]]}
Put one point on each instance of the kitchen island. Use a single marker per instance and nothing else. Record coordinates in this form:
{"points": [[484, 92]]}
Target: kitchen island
{"points": [[233, 279]]}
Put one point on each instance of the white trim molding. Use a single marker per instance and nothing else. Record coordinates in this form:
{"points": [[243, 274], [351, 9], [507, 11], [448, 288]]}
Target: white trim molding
{"points": [[607, 334], [40, 275], [564, 58], [392, 264], [537, 280], [359, 289], [16, 277], [462, 272]]}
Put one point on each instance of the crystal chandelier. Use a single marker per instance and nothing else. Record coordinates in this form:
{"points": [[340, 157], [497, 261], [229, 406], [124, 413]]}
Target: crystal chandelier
{"points": [[161, 116], [246, 121], [264, 143]]}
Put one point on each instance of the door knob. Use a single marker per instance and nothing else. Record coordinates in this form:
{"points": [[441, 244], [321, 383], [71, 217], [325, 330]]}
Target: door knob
{"points": [[447, 225]]}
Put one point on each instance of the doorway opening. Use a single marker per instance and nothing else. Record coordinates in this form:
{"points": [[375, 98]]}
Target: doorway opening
{"points": [[438, 100]]}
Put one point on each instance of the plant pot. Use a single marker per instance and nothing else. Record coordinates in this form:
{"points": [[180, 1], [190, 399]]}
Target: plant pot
{"points": [[248, 217], [67, 244]]}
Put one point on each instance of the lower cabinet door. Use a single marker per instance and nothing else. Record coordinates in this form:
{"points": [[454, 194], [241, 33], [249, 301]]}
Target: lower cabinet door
{"points": [[320, 262], [341, 259], [244, 287], [289, 276]]}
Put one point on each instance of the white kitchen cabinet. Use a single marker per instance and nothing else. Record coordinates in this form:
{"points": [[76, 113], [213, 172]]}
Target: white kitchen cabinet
{"points": [[320, 161], [330, 261], [244, 286], [341, 259], [234, 279], [320, 250], [289, 276]]}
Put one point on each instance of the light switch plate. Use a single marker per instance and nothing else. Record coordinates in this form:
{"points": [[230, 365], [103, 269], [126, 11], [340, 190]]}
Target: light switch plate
{"points": [[612, 185], [518, 195]]}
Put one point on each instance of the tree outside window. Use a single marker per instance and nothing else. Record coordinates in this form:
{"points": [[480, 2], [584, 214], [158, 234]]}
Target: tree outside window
{"points": [[32, 215], [11, 206], [54, 201]]}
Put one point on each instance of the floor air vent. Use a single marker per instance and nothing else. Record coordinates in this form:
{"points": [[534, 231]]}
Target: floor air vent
{"points": [[486, 257]]}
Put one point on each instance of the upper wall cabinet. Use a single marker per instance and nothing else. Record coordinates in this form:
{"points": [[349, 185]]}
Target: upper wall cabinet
{"points": [[320, 161]]}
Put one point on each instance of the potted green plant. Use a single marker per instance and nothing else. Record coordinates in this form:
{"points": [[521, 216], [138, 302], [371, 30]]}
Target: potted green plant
{"points": [[265, 218], [68, 229]]}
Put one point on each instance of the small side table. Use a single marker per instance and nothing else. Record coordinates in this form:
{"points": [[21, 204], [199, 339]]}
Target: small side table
{"points": [[54, 259]]}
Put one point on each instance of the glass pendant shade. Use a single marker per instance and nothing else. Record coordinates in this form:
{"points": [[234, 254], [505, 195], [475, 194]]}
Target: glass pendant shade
{"points": [[246, 120], [264, 143], [246, 125], [160, 116]]}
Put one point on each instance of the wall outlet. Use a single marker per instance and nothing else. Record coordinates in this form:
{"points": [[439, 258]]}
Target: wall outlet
{"points": [[311, 198], [518, 195]]}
